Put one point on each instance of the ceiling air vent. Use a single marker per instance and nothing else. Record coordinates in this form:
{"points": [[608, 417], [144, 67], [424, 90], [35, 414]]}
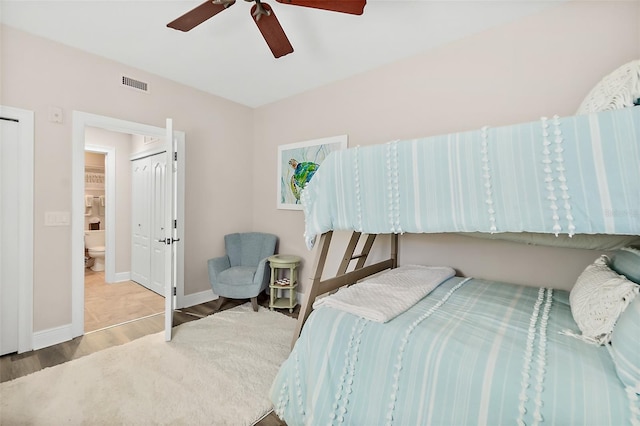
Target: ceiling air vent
{"points": [[134, 84]]}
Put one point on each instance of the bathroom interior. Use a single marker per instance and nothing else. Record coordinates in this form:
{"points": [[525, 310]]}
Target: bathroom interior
{"points": [[114, 303], [94, 211]]}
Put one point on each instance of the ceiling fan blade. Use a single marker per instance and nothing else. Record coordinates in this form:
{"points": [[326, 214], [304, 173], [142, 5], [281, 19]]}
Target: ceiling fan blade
{"points": [[354, 7], [271, 30], [198, 15]]}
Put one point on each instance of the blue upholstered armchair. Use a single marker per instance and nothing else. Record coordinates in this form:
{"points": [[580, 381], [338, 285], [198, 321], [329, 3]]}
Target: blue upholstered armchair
{"points": [[244, 272]]}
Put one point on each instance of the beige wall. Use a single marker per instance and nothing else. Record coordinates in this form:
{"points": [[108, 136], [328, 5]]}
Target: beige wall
{"points": [[37, 74], [538, 66]]}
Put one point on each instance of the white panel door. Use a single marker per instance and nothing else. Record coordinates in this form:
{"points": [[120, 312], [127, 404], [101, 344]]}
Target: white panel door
{"points": [[140, 217], [159, 230], [149, 216], [9, 274]]}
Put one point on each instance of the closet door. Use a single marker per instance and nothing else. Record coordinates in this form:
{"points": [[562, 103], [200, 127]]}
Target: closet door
{"points": [[158, 223], [9, 273], [140, 219], [149, 179]]}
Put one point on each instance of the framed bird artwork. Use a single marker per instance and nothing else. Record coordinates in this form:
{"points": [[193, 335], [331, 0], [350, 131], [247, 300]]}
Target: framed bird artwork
{"points": [[298, 162]]}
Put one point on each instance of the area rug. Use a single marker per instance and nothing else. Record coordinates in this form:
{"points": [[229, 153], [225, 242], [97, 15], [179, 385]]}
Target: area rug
{"points": [[215, 371]]}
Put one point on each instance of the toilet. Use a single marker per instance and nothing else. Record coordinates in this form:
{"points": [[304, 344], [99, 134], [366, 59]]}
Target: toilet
{"points": [[94, 243]]}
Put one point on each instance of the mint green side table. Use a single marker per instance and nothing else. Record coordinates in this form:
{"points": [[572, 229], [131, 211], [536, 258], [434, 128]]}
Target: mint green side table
{"points": [[280, 281]]}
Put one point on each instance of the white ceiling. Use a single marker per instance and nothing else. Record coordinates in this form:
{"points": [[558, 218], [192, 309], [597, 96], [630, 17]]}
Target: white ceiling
{"points": [[228, 57]]}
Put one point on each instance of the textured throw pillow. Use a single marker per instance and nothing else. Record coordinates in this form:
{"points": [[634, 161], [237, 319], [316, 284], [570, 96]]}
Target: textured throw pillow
{"points": [[625, 346], [617, 90], [598, 298], [626, 261]]}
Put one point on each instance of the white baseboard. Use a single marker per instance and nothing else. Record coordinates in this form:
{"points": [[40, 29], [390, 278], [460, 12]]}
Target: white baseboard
{"points": [[122, 276], [52, 336], [197, 298]]}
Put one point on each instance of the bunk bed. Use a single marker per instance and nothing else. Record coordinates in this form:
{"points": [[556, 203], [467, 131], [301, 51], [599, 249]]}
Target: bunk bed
{"points": [[412, 344]]}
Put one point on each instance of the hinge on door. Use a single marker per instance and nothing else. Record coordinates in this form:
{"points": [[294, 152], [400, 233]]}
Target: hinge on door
{"points": [[175, 224], [175, 156], [175, 291]]}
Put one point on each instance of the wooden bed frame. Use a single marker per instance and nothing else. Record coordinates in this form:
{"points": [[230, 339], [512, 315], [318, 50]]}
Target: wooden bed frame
{"points": [[343, 277]]}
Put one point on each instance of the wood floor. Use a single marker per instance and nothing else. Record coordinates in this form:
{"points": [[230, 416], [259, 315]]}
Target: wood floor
{"points": [[106, 305], [17, 365]]}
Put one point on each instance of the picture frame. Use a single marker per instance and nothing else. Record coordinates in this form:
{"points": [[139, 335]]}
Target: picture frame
{"points": [[298, 162]]}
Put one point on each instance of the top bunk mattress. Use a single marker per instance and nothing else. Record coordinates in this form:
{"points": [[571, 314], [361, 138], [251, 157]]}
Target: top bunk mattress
{"points": [[570, 175]]}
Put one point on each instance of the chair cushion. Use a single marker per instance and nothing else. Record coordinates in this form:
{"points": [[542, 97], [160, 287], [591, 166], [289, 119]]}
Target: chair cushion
{"points": [[236, 283], [237, 275]]}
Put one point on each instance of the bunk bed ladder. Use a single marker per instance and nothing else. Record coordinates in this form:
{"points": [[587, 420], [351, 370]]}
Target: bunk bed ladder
{"points": [[349, 252], [343, 277]]}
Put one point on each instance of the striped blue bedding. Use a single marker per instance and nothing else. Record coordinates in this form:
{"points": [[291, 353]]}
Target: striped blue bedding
{"points": [[471, 352], [569, 175]]}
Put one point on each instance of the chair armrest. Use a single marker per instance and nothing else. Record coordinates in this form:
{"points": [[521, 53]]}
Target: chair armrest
{"points": [[217, 265], [263, 274]]}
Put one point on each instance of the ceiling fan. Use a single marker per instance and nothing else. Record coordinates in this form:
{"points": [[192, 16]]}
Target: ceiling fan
{"points": [[265, 18]]}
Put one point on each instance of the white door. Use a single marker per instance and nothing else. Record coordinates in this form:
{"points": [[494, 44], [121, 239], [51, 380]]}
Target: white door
{"points": [[141, 232], [16, 230], [170, 228], [9, 276], [149, 215], [158, 215], [154, 224]]}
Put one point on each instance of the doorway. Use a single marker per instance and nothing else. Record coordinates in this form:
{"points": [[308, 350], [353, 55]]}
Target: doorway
{"points": [[81, 122], [111, 298]]}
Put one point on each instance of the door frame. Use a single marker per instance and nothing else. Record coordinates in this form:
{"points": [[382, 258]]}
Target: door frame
{"points": [[81, 120], [26, 122]]}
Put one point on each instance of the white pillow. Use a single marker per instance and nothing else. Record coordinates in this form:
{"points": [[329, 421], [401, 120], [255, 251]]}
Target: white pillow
{"points": [[598, 298]]}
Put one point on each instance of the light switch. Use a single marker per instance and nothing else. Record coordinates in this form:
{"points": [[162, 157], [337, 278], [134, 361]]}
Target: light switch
{"points": [[49, 219], [57, 219], [63, 218]]}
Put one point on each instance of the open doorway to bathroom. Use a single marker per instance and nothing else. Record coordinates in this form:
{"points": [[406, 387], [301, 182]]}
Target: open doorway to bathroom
{"points": [[110, 296], [82, 124]]}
